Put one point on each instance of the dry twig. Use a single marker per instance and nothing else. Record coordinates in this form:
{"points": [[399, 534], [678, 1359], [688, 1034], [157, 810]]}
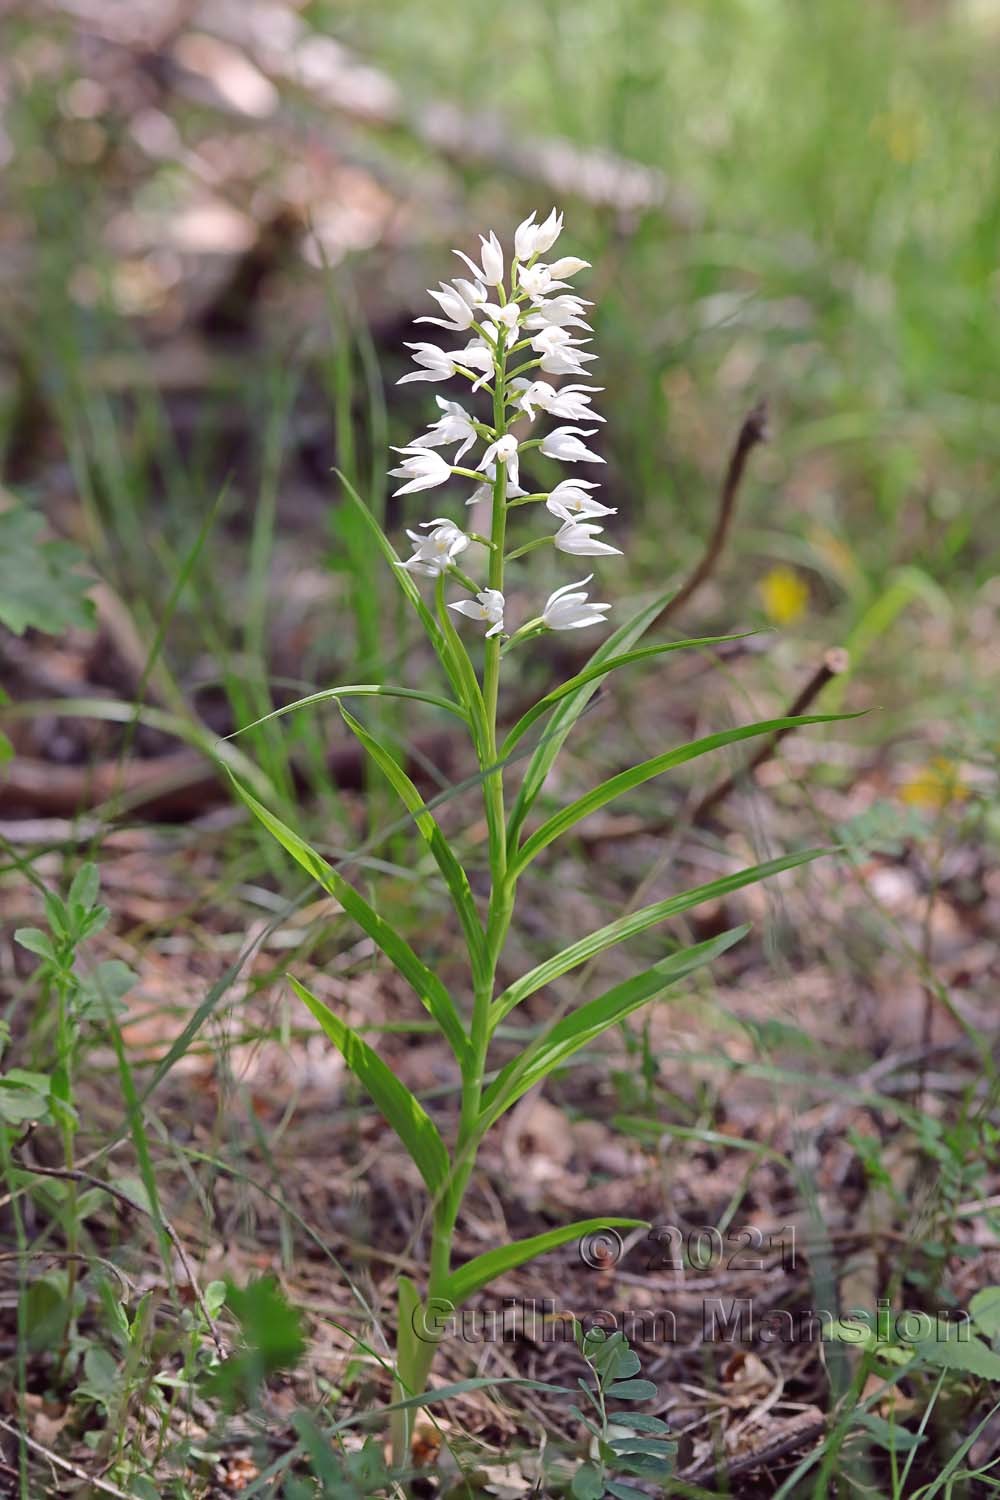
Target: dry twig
{"points": [[67, 1175], [834, 662], [752, 433]]}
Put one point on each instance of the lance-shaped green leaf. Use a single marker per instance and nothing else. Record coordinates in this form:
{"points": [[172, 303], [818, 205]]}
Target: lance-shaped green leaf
{"points": [[398, 1106], [590, 1021], [599, 669], [432, 992], [625, 781], [636, 922], [356, 690], [493, 1263], [430, 831], [570, 709]]}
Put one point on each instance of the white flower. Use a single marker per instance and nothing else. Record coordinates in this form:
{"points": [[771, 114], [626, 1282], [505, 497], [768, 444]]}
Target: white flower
{"points": [[568, 611], [437, 364], [562, 444], [537, 280], [560, 352], [422, 468], [571, 401], [456, 426], [473, 293], [492, 268], [487, 605], [485, 491], [577, 538], [503, 451], [562, 312], [457, 312], [568, 266], [492, 260], [508, 316], [476, 355], [534, 239], [433, 553], [570, 501]]}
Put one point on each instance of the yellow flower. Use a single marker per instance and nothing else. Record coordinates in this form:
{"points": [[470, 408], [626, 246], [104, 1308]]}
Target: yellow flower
{"points": [[903, 132], [935, 785], [784, 595]]}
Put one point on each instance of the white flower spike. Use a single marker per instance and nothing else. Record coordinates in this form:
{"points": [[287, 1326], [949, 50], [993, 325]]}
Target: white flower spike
{"points": [[534, 308], [578, 539], [488, 605], [422, 468], [566, 610]]}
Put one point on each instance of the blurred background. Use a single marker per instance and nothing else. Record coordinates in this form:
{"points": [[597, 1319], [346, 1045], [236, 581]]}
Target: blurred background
{"points": [[218, 219]]}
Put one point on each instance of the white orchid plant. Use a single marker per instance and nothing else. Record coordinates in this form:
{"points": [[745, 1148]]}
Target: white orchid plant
{"points": [[522, 325]]}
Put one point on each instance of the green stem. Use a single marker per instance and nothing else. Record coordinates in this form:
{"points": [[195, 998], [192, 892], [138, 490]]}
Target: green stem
{"points": [[483, 708], [538, 541], [67, 1131]]}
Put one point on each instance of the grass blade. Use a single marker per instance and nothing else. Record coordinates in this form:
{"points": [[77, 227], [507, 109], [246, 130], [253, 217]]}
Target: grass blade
{"points": [[356, 690]]}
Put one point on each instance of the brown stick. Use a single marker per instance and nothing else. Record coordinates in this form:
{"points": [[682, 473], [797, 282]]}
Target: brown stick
{"points": [[780, 1448], [62, 1463], [752, 433], [835, 661], [178, 785], [67, 1175]]}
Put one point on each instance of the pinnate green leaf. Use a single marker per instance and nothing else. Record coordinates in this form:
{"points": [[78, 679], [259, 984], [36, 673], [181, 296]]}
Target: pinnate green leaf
{"points": [[588, 1483], [985, 1310], [632, 1390]]}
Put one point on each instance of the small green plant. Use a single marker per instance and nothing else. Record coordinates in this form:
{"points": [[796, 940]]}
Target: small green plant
{"points": [[79, 996], [629, 1443], [40, 586], [520, 327]]}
